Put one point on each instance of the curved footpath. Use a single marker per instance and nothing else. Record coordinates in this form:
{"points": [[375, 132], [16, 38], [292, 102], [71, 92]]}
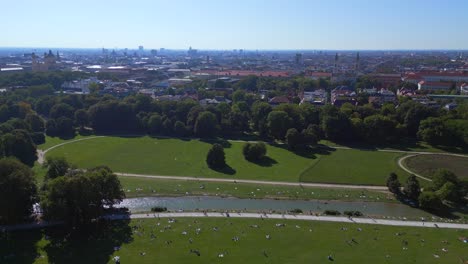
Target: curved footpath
{"points": [[41, 156], [299, 184], [370, 221], [336, 219]]}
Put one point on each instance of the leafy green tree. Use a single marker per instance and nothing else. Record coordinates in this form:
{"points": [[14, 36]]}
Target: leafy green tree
{"points": [[64, 127], [260, 111], [293, 138], [379, 129], [412, 188], [278, 123], [206, 125], [450, 192], [337, 127], [61, 110], [441, 177], [79, 198], [216, 158], [81, 118], [35, 122], [179, 129], [56, 167], [18, 191], [433, 131], [155, 124], [310, 135], [393, 183], [429, 201], [18, 144], [254, 151]]}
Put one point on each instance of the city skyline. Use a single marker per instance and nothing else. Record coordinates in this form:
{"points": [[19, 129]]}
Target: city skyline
{"points": [[262, 25]]}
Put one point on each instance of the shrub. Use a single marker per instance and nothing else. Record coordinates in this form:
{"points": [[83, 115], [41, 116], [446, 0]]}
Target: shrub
{"points": [[296, 211], [254, 151], [331, 212], [353, 213], [158, 209]]}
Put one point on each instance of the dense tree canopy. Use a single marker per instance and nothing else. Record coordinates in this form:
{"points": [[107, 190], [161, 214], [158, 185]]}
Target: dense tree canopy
{"points": [[18, 191]]}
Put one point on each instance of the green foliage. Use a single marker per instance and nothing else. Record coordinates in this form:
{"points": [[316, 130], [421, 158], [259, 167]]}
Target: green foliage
{"points": [[278, 123], [393, 183], [206, 125], [412, 188], [254, 151], [56, 167], [429, 201], [79, 198], [17, 191], [216, 158], [293, 138], [18, 144]]}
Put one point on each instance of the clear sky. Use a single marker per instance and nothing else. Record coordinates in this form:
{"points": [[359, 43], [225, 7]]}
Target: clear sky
{"points": [[236, 24]]}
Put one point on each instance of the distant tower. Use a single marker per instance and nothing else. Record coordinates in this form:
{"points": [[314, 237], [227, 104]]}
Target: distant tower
{"points": [[336, 61], [298, 58], [58, 56], [357, 62]]}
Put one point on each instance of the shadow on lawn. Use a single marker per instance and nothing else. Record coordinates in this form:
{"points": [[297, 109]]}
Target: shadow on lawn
{"points": [[226, 170], [265, 162], [19, 246], [94, 244]]}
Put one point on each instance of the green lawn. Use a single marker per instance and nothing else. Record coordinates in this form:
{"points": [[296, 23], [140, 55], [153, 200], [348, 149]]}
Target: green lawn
{"points": [[146, 155], [144, 187], [427, 165], [52, 141], [354, 166], [159, 241]]}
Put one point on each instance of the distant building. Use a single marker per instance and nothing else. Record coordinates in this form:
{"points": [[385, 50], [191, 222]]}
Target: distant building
{"points": [[343, 94], [435, 86], [79, 86], [48, 63], [317, 97], [277, 100]]}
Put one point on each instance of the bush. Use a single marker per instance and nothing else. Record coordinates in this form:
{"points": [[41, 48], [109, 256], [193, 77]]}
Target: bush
{"points": [[216, 157], [38, 138], [353, 213], [429, 201], [296, 211], [331, 212], [158, 209], [254, 151]]}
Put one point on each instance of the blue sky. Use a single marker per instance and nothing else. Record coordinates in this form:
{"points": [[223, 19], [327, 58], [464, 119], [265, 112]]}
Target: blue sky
{"points": [[236, 24]]}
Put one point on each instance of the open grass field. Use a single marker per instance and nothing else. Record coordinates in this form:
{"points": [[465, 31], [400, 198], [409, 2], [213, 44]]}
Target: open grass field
{"points": [[144, 187], [239, 241], [427, 165], [146, 155], [353, 166]]}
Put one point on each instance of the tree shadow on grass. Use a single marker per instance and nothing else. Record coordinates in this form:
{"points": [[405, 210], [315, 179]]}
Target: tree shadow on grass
{"points": [[265, 162], [226, 170], [19, 246], [223, 142], [93, 244]]}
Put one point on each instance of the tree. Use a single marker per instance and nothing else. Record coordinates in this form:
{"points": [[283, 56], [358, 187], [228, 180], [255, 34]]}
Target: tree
{"points": [[206, 125], [18, 144], [254, 151], [61, 110], [441, 177], [429, 201], [216, 157], [64, 127], [393, 183], [310, 135], [155, 124], [179, 129], [278, 123], [337, 127], [81, 118], [433, 131], [293, 138], [260, 111], [412, 188], [379, 129], [18, 191], [450, 192], [79, 198], [35, 122], [56, 167]]}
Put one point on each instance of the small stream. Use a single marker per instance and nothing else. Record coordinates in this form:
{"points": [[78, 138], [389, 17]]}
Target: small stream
{"points": [[191, 203]]}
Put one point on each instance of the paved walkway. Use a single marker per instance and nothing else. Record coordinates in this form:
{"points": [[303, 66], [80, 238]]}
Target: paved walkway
{"points": [[281, 183], [370, 221]]}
